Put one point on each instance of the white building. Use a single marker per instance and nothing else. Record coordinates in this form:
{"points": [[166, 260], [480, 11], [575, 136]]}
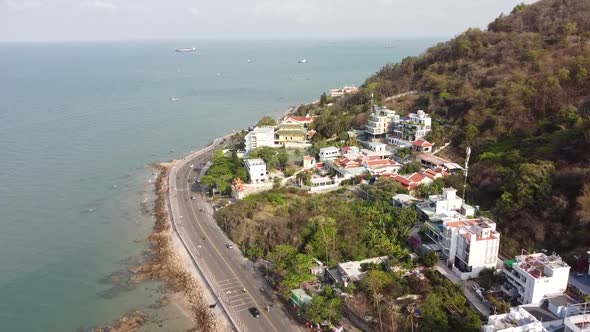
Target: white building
{"points": [[473, 245], [530, 278], [517, 320], [257, 170], [352, 271], [437, 206], [260, 136], [329, 153], [381, 121], [414, 127], [334, 93]]}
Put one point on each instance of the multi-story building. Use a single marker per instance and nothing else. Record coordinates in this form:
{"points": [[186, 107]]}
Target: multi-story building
{"points": [[579, 281], [329, 153], [438, 206], [413, 128], [468, 245], [260, 136], [530, 278], [381, 122], [256, 170]]}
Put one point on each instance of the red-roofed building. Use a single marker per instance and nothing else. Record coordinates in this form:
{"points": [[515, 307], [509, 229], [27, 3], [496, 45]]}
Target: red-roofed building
{"points": [[422, 146], [304, 120], [381, 166]]}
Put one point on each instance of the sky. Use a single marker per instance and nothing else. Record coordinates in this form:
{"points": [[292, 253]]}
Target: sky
{"points": [[59, 20]]}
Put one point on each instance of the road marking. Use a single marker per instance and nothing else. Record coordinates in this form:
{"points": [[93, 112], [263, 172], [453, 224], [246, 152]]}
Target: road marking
{"points": [[223, 258]]}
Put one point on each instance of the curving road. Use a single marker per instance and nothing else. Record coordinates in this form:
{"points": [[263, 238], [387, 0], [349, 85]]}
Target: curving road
{"points": [[227, 272]]}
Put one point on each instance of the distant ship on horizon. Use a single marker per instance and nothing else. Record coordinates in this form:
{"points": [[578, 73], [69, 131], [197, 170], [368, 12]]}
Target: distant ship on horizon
{"points": [[186, 49]]}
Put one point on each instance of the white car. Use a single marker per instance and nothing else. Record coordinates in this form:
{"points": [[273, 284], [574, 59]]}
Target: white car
{"points": [[193, 197], [229, 246], [191, 166]]}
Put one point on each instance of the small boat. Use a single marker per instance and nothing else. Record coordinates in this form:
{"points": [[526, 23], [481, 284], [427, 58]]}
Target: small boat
{"points": [[173, 99], [302, 61], [186, 49], [249, 60]]}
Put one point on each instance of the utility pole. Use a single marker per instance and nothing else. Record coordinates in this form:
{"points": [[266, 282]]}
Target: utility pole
{"points": [[468, 153]]}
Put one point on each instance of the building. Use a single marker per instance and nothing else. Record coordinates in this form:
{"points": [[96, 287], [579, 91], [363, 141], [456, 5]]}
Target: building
{"points": [[350, 150], [431, 161], [353, 271], [402, 200], [476, 246], [290, 131], [414, 127], [468, 245], [579, 280], [329, 153], [422, 146], [554, 314], [260, 136], [381, 122], [304, 120], [577, 318], [381, 166], [256, 170], [308, 162], [334, 93], [517, 320], [438, 206], [530, 278]]}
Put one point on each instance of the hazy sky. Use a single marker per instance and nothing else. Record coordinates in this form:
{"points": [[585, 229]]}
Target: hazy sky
{"points": [[162, 19]]}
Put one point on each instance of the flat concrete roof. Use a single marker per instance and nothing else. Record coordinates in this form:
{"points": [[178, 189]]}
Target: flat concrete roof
{"points": [[580, 282], [541, 314]]}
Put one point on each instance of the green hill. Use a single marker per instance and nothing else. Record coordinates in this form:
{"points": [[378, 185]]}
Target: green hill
{"points": [[519, 94]]}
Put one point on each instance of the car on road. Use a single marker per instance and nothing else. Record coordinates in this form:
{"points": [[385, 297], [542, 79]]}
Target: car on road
{"points": [[193, 197], [191, 166], [229, 246], [254, 312]]}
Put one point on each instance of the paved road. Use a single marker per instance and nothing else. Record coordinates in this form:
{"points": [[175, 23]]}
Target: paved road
{"points": [[228, 272]]}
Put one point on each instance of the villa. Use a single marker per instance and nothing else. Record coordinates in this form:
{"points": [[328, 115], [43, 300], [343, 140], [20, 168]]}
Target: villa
{"points": [[335, 93], [290, 131], [381, 122], [256, 170], [530, 278], [260, 136], [414, 127]]}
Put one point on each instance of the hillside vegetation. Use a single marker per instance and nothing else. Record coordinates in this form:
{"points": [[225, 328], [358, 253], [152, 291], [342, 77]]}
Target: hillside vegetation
{"points": [[518, 93]]}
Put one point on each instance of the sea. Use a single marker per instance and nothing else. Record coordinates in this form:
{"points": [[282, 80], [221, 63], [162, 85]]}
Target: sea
{"points": [[80, 122]]}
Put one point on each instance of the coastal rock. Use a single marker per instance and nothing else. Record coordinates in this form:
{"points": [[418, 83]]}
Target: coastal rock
{"points": [[128, 323]]}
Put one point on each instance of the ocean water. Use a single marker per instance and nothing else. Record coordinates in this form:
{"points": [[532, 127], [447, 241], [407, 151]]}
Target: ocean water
{"points": [[79, 122]]}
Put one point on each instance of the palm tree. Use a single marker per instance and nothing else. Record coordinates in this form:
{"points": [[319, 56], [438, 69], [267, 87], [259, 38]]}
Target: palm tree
{"points": [[392, 307], [377, 298]]}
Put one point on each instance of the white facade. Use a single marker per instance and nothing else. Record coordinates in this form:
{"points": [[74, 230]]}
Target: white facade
{"points": [[530, 278], [414, 127], [260, 136], [381, 121], [517, 320], [257, 170], [476, 246], [328, 153]]}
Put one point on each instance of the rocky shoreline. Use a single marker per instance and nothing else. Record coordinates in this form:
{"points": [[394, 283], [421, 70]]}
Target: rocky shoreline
{"points": [[164, 264]]}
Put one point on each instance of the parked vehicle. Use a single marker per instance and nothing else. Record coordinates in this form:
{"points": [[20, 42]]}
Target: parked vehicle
{"points": [[254, 312]]}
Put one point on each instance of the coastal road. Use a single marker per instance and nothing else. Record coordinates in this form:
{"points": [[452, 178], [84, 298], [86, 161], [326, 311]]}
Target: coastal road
{"points": [[226, 270]]}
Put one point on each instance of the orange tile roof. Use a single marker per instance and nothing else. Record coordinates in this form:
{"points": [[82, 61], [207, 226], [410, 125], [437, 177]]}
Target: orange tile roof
{"points": [[422, 143]]}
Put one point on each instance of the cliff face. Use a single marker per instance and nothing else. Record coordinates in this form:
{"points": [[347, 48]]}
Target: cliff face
{"points": [[519, 94]]}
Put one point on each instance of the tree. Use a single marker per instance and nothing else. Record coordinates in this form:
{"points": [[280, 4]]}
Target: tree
{"points": [[429, 259], [433, 316], [518, 8], [376, 280], [410, 168], [266, 121], [377, 299], [323, 99]]}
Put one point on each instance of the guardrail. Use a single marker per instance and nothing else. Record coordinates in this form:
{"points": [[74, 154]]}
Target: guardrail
{"points": [[230, 314]]}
